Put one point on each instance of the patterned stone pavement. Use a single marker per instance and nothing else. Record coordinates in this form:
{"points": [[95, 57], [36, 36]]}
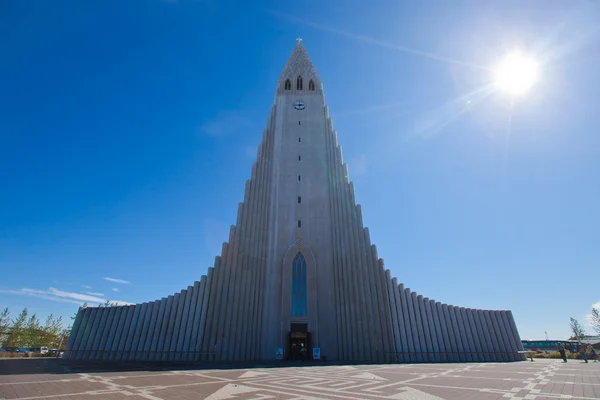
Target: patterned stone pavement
{"points": [[542, 379]]}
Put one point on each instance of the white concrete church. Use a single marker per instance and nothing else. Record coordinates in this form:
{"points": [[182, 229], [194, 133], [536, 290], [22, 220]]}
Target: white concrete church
{"points": [[299, 271]]}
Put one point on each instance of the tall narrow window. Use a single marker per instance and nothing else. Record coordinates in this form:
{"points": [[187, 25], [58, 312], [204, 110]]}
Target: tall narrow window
{"points": [[299, 199], [299, 158], [299, 83], [299, 140], [299, 286], [288, 84], [299, 123], [311, 85], [299, 178], [299, 223]]}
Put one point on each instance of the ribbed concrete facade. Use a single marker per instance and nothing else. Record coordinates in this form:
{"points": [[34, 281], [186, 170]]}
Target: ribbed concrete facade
{"points": [[299, 266]]}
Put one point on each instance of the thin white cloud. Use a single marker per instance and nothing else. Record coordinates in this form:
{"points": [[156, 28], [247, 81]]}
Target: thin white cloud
{"points": [[116, 280], [115, 289], [83, 286], [54, 294], [95, 294], [359, 165], [227, 122]]}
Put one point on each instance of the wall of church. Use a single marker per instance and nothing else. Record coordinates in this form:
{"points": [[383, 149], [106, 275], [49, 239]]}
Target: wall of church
{"points": [[298, 199]]}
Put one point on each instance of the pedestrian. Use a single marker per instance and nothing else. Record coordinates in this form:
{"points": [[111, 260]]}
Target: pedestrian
{"points": [[593, 354], [582, 354], [561, 350]]}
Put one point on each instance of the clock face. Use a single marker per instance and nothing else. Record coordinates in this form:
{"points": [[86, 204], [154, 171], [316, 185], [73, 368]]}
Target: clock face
{"points": [[299, 105]]}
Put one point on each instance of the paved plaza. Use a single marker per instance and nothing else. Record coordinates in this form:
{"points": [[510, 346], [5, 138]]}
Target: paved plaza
{"points": [[541, 379]]}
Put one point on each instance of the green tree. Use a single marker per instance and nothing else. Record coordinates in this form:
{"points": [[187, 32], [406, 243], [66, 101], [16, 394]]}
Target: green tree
{"points": [[33, 332], [4, 325], [52, 331], [595, 320], [16, 338], [577, 329]]}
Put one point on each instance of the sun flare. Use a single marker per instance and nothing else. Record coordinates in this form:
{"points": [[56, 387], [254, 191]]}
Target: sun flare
{"points": [[516, 74]]}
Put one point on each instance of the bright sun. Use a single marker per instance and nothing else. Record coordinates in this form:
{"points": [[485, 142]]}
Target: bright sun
{"points": [[516, 74]]}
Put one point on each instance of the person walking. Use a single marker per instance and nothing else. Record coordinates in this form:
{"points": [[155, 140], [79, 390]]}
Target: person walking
{"points": [[593, 354], [582, 354], [561, 350]]}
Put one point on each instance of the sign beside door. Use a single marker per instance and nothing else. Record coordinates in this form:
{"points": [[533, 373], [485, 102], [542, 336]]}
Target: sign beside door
{"points": [[316, 353]]}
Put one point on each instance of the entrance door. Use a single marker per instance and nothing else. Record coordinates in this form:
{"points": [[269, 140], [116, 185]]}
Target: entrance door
{"points": [[299, 346]]}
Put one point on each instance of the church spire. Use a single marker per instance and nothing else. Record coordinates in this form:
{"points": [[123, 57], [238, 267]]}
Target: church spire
{"points": [[299, 65]]}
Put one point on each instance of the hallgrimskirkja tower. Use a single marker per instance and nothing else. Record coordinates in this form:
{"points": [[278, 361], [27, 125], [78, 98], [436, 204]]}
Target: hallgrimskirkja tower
{"points": [[299, 272]]}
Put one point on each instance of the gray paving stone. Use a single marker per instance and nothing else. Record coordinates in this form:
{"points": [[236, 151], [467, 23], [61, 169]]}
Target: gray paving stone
{"points": [[543, 379]]}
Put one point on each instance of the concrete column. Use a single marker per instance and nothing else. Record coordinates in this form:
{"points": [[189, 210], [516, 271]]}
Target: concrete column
{"points": [[96, 333], [391, 290], [261, 249], [74, 334], [155, 348], [433, 328], [110, 340], [515, 333], [414, 336], [486, 335], [407, 323], [187, 349], [451, 333], [183, 324], [384, 308], [121, 334], [425, 335], [204, 328], [372, 331], [336, 241], [351, 306], [247, 280], [417, 326], [219, 316], [467, 337], [347, 307], [235, 263], [112, 355], [493, 336], [458, 333], [169, 348], [512, 347], [214, 306], [145, 327], [133, 336], [108, 328], [166, 308], [77, 346], [499, 337], [362, 344], [441, 331], [139, 323], [447, 356], [85, 345], [253, 240], [196, 337], [482, 333], [151, 329], [475, 333], [229, 297], [372, 289], [403, 344]]}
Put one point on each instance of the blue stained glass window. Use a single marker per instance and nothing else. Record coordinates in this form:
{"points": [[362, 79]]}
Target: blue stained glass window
{"points": [[299, 286]]}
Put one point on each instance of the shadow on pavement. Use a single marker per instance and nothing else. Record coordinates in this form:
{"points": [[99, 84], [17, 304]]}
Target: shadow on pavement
{"points": [[25, 366]]}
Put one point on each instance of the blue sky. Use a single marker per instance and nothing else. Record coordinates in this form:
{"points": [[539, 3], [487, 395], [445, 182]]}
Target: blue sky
{"points": [[128, 129]]}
